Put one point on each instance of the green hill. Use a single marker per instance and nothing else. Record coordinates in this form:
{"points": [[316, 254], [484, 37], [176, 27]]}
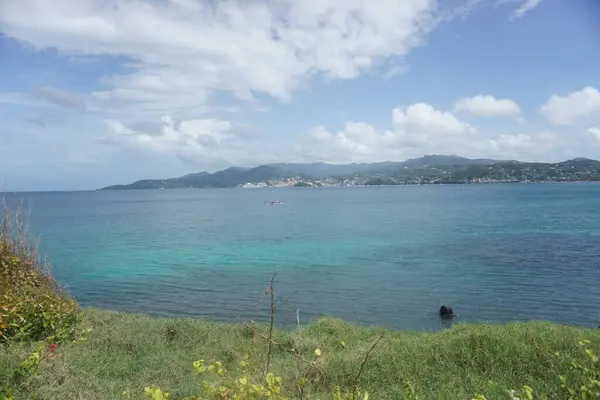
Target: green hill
{"points": [[424, 170], [230, 177]]}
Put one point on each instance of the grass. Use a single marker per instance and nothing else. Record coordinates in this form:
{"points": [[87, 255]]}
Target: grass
{"points": [[127, 352]]}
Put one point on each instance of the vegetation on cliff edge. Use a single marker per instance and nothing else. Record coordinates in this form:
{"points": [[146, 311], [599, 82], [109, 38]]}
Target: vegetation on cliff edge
{"points": [[32, 304]]}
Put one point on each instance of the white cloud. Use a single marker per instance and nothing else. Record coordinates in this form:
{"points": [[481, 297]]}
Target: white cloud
{"points": [[167, 135], [594, 135], [488, 106], [525, 146], [417, 130], [525, 7], [205, 142], [180, 51], [62, 98], [565, 110]]}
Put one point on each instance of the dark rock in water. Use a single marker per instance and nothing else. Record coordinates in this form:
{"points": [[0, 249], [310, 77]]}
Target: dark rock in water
{"points": [[446, 312]]}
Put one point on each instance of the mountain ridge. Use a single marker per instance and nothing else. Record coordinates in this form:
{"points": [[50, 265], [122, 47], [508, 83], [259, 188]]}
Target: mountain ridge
{"points": [[426, 169]]}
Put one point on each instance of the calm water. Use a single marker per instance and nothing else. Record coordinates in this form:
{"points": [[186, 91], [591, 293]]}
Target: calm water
{"points": [[383, 255]]}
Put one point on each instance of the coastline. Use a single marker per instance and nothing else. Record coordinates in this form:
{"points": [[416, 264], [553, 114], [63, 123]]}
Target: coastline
{"points": [[352, 186]]}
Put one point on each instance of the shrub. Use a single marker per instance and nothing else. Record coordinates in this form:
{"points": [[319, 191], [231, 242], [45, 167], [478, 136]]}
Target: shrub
{"points": [[32, 305]]}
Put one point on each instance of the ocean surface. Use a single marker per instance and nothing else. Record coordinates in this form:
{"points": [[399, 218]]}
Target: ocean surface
{"points": [[374, 255]]}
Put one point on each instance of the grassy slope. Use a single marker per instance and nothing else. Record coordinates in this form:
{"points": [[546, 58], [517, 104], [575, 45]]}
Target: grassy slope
{"points": [[126, 351]]}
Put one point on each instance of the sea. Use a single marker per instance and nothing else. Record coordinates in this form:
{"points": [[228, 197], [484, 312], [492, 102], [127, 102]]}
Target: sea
{"points": [[387, 256]]}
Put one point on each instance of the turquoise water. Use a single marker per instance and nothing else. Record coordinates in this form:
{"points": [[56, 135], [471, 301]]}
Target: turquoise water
{"points": [[375, 255]]}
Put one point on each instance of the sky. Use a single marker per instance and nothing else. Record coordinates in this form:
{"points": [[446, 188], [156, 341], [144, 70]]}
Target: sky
{"points": [[101, 92]]}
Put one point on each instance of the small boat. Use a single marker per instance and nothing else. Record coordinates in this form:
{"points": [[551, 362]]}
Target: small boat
{"points": [[272, 203]]}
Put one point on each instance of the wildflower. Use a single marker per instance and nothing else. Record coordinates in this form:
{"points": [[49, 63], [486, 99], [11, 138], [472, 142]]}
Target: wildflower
{"points": [[52, 347]]}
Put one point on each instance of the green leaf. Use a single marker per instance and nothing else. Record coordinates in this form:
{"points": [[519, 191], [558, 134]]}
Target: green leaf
{"points": [[592, 355], [155, 393], [527, 392], [199, 366]]}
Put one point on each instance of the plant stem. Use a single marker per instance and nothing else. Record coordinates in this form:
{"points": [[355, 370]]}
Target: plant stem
{"points": [[362, 365], [272, 291]]}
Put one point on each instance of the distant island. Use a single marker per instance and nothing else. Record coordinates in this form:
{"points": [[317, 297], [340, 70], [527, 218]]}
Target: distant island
{"points": [[431, 169]]}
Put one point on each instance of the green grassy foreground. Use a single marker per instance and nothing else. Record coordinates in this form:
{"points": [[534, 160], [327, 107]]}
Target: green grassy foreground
{"points": [[125, 353]]}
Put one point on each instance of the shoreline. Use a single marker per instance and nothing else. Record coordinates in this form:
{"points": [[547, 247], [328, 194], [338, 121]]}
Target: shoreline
{"points": [[332, 186]]}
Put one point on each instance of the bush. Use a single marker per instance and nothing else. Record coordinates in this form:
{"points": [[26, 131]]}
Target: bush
{"points": [[32, 305]]}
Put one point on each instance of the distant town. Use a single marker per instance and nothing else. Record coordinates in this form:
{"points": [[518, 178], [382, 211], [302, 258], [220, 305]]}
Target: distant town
{"points": [[298, 181], [433, 169]]}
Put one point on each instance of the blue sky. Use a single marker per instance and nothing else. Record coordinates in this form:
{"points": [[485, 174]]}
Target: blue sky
{"points": [[98, 92]]}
